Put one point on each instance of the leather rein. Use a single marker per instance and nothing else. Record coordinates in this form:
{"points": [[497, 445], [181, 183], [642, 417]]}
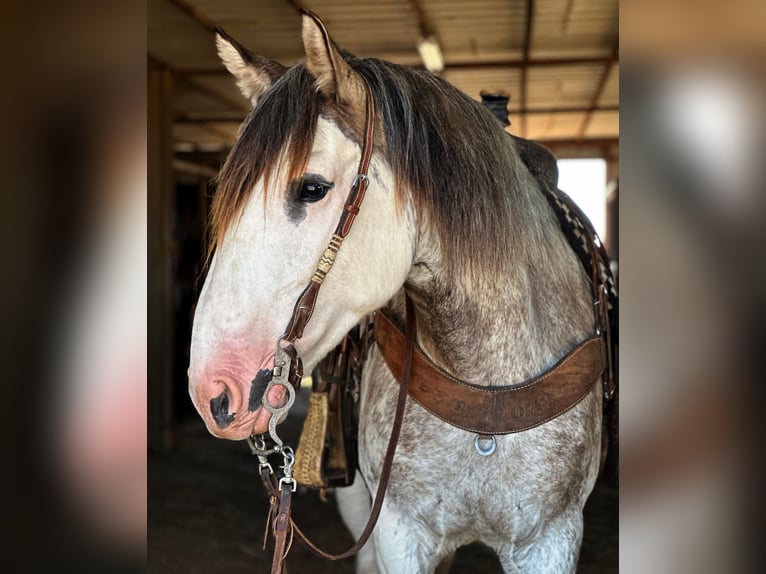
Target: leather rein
{"points": [[288, 371]]}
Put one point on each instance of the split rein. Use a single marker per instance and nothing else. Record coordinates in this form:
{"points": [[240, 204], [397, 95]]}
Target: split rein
{"points": [[288, 371]]}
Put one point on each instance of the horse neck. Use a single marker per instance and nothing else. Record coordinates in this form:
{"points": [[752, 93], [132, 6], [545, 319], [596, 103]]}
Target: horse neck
{"points": [[507, 326]]}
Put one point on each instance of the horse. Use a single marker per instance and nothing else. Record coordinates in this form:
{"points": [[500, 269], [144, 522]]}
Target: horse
{"points": [[453, 220]]}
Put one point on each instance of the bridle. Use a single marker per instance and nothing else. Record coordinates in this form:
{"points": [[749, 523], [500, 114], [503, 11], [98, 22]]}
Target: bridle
{"points": [[288, 371]]}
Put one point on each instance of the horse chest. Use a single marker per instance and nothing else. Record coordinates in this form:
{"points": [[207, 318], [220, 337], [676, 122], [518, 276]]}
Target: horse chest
{"points": [[443, 489]]}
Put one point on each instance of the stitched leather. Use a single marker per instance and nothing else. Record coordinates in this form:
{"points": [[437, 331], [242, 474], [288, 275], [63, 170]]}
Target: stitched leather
{"points": [[497, 409], [278, 498], [302, 312], [304, 306]]}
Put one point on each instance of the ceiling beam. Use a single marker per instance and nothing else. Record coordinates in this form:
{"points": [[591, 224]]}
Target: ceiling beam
{"points": [[227, 137], [600, 142], [478, 65], [603, 144], [531, 63], [195, 14], [230, 102], [203, 118], [222, 116], [530, 16], [597, 95], [428, 35], [194, 168], [567, 17], [207, 23], [567, 110], [424, 24], [296, 5], [188, 79]]}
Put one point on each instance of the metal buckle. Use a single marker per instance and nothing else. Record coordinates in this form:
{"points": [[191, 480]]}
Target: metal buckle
{"points": [[359, 177]]}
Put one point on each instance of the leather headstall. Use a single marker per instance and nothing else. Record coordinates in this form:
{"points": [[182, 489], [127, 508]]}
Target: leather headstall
{"points": [[288, 371]]}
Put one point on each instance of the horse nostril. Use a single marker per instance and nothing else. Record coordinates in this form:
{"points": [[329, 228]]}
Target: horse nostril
{"points": [[219, 406]]}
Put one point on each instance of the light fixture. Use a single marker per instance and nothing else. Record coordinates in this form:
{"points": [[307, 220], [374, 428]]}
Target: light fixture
{"points": [[431, 54]]}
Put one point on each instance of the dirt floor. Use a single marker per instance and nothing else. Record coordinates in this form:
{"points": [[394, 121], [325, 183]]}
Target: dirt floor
{"points": [[207, 513]]}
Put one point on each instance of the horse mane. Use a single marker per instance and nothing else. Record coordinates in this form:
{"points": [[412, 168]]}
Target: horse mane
{"points": [[447, 150], [280, 129]]}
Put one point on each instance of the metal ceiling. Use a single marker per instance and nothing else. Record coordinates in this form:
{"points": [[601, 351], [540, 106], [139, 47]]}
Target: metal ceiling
{"points": [[557, 59]]}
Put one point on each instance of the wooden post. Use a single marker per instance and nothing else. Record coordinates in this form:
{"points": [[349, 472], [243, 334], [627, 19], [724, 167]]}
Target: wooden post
{"points": [[161, 201]]}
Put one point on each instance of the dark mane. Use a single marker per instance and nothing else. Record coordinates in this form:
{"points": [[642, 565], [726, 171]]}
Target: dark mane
{"points": [[284, 119], [460, 165], [455, 158]]}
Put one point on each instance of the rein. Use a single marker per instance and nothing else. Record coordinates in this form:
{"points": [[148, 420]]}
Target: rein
{"points": [[279, 514], [288, 371]]}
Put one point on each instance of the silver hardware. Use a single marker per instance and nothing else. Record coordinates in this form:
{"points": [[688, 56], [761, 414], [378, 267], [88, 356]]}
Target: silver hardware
{"points": [[290, 481], [358, 179], [257, 445], [483, 449], [288, 457], [258, 448], [282, 363]]}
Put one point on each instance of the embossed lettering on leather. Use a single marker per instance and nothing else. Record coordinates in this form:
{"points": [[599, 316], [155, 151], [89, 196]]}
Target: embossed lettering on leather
{"points": [[494, 410]]}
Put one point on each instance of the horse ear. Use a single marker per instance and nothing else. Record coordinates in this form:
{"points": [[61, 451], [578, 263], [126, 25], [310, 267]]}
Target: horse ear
{"points": [[334, 77], [254, 74]]}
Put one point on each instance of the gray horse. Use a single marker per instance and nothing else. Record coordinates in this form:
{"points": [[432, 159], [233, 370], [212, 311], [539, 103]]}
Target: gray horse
{"points": [[453, 218]]}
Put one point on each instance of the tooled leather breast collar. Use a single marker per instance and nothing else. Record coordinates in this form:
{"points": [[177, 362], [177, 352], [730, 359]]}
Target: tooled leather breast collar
{"points": [[496, 409]]}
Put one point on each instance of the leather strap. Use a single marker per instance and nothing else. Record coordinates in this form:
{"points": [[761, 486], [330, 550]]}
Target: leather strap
{"points": [[496, 409], [302, 312], [385, 473], [599, 257], [304, 306], [281, 529]]}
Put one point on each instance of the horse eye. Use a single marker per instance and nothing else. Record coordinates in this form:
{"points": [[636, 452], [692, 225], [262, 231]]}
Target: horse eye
{"points": [[312, 190]]}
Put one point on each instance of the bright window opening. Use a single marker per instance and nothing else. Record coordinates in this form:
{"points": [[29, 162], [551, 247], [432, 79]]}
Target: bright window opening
{"points": [[584, 180]]}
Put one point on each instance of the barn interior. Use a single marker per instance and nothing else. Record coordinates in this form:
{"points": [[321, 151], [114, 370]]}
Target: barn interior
{"points": [[557, 61]]}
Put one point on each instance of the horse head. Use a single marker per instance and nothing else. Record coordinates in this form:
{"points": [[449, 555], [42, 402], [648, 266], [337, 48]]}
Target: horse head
{"points": [[280, 194]]}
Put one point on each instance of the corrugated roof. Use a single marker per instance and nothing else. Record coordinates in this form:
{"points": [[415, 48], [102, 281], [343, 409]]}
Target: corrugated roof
{"points": [[563, 78]]}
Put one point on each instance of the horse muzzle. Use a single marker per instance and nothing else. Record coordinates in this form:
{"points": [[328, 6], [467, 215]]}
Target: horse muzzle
{"points": [[232, 407]]}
